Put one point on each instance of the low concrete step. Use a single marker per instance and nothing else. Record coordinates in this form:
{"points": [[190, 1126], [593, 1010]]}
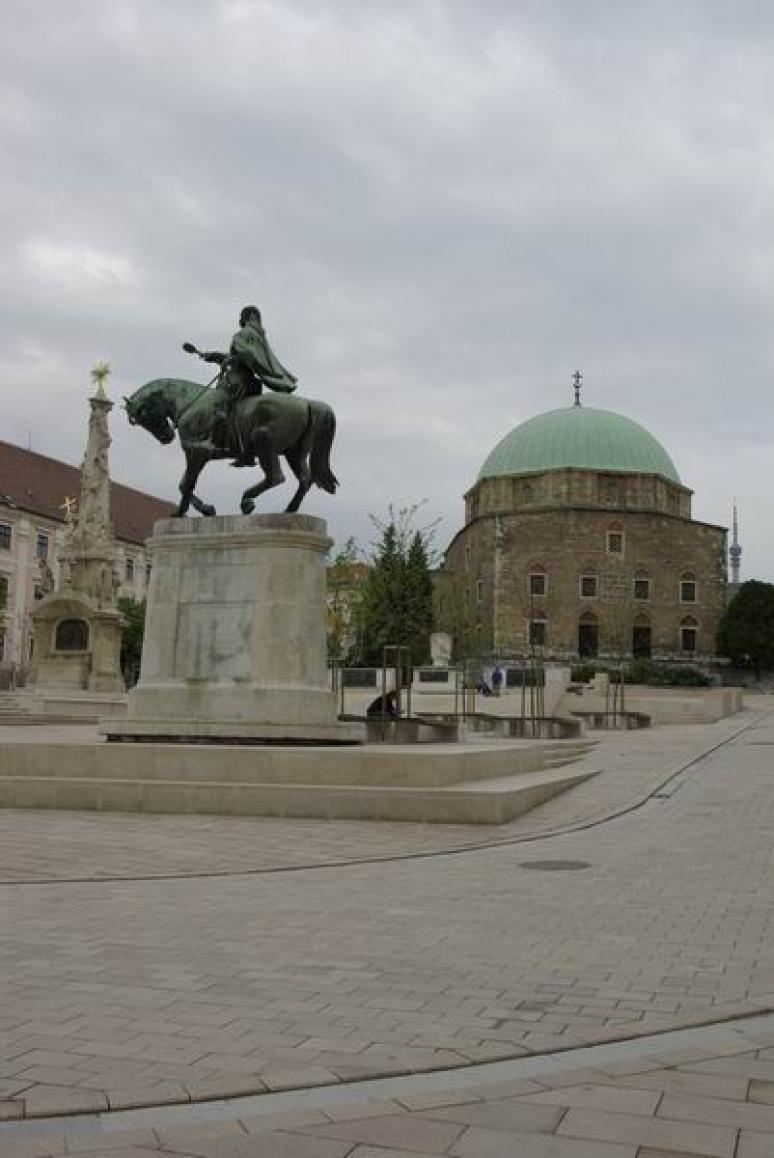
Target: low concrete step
{"points": [[414, 766], [492, 802], [435, 783]]}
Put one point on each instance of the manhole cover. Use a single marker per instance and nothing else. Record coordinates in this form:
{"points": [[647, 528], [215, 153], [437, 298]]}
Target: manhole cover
{"points": [[555, 866]]}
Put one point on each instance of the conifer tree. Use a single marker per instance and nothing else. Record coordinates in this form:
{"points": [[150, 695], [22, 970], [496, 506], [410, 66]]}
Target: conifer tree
{"points": [[419, 600], [397, 599]]}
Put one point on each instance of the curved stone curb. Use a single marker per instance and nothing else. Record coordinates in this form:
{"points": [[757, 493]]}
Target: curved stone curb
{"points": [[55, 1102]]}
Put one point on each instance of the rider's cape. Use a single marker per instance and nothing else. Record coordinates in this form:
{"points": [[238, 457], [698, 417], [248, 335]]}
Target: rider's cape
{"points": [[250, 349]]}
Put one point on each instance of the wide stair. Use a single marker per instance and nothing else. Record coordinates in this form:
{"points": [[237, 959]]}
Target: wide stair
{"points": [[471, 783]]}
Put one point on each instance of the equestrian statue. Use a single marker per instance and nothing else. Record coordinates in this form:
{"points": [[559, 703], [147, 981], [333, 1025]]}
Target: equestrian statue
{"points": [[232, 417]]}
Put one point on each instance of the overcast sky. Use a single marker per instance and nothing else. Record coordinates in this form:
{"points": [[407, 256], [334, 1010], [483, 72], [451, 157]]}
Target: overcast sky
{"points": [[442, 208]]}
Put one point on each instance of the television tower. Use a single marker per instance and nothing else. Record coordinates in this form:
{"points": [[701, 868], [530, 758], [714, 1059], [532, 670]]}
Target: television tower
{"points": [[735, 551]]}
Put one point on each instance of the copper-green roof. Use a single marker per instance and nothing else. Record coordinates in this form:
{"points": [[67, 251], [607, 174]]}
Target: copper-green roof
{"points": [[578, 436]]}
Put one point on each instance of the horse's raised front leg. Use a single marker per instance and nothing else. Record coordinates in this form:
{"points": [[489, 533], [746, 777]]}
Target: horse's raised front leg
{"points": [[194, 463], [273, 477]]}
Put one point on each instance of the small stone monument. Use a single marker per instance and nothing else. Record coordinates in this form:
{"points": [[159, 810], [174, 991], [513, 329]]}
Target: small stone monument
{"points": [[440, 649], [77, 626]]}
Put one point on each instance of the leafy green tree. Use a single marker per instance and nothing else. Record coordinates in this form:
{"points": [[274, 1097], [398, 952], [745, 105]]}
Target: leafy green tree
{"points": [[133, 622], [746, 631]]}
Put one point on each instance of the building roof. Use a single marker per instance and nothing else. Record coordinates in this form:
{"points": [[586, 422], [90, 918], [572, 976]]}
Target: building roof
{"points": [[581, 437], [39, 485]]}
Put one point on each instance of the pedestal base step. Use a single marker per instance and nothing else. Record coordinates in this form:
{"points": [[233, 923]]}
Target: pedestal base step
{"points": [[486, 784], [222, 732]]}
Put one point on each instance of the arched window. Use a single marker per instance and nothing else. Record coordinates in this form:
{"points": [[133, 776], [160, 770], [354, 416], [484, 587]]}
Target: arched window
{"points": [[588, 635], [538, 629], [641, 636], [688, 589], [537, 581], [689, 635], [72, 635]]}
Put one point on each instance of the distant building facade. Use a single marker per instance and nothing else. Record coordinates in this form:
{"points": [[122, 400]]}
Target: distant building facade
{"points": [[35, 493], [345, 584], [579, 542]]}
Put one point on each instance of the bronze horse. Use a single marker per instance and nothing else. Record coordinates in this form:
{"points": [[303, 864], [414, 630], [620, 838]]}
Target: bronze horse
{"points": [[270, 425]]}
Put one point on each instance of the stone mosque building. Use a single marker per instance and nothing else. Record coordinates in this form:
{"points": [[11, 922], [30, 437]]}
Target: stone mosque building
{"points": [[579, 542]]}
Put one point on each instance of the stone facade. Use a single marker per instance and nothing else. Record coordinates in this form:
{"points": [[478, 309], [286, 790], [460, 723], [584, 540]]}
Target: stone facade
{"points": [[580, 562], [345, 584]]}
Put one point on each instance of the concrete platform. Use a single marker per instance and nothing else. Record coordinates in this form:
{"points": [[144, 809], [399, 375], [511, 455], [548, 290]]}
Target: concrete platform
{"points": [[43, 706], [474, 783]]}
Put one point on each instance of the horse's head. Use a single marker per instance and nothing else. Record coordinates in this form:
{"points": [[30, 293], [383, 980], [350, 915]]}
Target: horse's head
{"points": [[147, 408]]}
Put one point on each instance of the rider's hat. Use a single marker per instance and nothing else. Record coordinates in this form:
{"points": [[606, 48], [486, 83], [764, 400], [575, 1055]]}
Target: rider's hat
{"points": [[245, 314]]}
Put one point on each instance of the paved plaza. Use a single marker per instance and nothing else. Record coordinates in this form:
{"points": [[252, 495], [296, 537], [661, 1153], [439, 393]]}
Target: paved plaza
{"points": [[152, 962]]}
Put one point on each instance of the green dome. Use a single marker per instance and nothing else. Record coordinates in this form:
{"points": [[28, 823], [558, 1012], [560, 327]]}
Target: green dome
{"points": [[578, 436]]}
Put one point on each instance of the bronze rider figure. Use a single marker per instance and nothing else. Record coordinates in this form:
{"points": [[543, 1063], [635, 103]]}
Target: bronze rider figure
{"points": [[249, 366]]}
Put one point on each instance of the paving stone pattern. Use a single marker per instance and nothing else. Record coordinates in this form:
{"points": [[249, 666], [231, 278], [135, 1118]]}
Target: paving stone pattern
{"points": [[134, 992], [36, 846], [655, 1111]]}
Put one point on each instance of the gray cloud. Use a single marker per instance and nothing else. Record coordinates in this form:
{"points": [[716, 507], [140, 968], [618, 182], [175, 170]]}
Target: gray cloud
{"points": [[442, 208]]}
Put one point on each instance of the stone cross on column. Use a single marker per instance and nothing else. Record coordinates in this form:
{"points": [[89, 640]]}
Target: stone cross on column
{"points": [[577, 379]]}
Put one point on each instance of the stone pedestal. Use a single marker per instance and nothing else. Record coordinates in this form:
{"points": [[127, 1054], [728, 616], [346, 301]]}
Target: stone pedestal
{"points": [[235, 647]]}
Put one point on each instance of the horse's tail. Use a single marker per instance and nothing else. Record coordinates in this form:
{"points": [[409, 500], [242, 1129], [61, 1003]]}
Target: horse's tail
{"points": [[323, 430]]}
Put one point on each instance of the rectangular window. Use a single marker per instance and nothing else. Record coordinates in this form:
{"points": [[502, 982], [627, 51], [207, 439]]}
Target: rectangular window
{"points": [[687, 591], [41, 545], [538, 583], [688, 638], [615, 543], [5, 537], [588, 586], [537, 633], [3, 592], [130, 570], [642, 588]]}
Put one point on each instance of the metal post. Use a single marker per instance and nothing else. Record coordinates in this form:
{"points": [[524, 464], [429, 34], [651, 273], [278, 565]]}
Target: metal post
{"points": [[384, 694]]}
